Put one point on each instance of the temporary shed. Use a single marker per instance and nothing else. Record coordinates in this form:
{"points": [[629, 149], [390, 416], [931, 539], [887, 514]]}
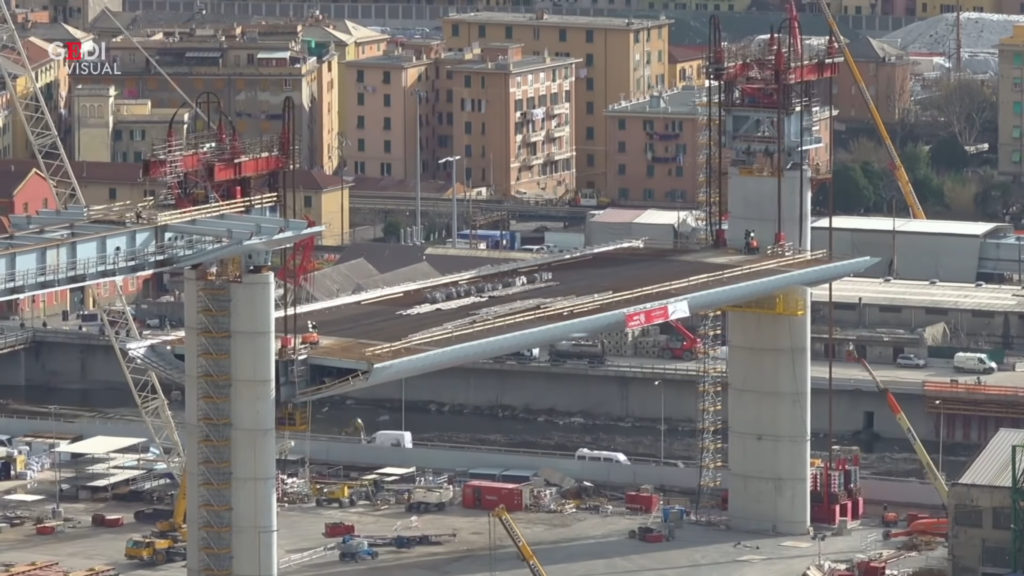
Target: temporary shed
{"points": [[659, 227]]}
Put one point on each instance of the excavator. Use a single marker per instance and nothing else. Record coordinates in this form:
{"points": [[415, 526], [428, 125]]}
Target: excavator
{"points": [[934, 527], [525, 552], [167, 542]]}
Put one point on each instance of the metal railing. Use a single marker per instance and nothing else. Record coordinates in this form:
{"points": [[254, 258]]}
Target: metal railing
{"points": [[572, 307], [15, 340], [216, 209]]}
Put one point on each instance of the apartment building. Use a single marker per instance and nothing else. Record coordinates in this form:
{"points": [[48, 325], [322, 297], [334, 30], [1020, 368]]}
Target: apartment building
{"points": [[51, 75], [655, 5], [622, 59], [512, 122], [886, 73], [1010, 115], [78, 13], [101, 182], [380, 127], [8, 118], [686, 65], [655, 153], [251, 79], [111, 129]]}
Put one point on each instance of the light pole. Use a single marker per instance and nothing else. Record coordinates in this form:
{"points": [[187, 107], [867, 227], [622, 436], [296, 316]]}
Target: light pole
{"points": [[403, 404], [418, 236], [942, 430], [1020, 261], [661, 389], [56, 457], [455, 206]]}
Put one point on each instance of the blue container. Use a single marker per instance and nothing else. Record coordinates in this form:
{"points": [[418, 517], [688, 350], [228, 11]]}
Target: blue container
{"points": [[667, 513]]}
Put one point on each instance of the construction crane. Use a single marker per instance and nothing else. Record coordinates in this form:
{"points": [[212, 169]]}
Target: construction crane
{"points": [[895, 164], [525, 552], [31, 108], [929, 467]]}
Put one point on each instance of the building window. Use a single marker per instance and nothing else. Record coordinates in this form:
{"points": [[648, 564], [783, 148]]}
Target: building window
{"points": [[1015, 156], [307, 201], [508, 32], [386, 77], [286, 84], [360, 76], [387, 123], [467, 81], [648, 194], [46, 206], [1018, 108], [844, 307], [890, 310], [935, 312], [1016, 133], [111, 195], [387, 146], [118, 135], [455, 30], [1018, 59], [679, 171], [590, 107], [622, 169], [993, 556], [361, 145], [1002, 518], [650, 170], [967, 516], [622, 147], [986, 315], [360, 122], [481, 31], [624, 194], [591, 161], [387, 100], [590, 36], [24, 207], [468, 152], [468, 128], [590, 84], [360, 99], [385, 169], [469, 176], [483, 83], [137, 156], [589, 61], [563, 35], [622, 124], [589, 135]]}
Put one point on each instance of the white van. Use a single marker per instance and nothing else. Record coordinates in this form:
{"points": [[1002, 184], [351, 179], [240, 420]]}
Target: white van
{"points": [[974, 362], [601, 456], [393, 438]]}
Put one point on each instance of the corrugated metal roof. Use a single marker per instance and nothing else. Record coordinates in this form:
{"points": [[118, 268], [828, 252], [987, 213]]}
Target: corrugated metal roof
{"points": [[670, 217], [989, 298], [618, 215], [993, 467], [908, 226]]}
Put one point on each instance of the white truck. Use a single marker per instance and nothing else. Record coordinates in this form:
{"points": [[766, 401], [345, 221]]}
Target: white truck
{"points": [[430, 498]]}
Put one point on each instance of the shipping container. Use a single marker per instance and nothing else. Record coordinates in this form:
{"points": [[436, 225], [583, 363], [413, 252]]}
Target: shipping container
{"points": [[641, 502], [483, 495]]}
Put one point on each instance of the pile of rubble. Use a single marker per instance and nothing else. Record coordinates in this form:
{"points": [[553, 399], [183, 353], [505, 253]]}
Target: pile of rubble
{"points": [[979, 32]]}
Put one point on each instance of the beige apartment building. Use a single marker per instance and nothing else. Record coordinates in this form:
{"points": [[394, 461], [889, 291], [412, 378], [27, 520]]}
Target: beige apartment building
{"points": [[8, 117], [656, 152], [622, 59], [110, 129], [251, 79], [886, 73], [380, 126], [1010, 113], [512, 122]]}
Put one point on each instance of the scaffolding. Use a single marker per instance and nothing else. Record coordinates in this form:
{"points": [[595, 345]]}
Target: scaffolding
{"points": [[709, 180], [711, 391], [1017, 499], [213, 410]]}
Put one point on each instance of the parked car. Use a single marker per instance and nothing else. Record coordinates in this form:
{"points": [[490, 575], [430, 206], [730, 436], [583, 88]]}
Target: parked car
{"points": [[910, 361]]}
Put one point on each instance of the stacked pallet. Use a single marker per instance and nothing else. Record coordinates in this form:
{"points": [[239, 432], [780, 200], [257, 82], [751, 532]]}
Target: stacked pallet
{"points": [[651, 346], [624, 343]]}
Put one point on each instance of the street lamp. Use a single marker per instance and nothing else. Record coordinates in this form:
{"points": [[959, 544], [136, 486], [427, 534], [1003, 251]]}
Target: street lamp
{"points": [[418, 236], [819, 538], [942, 430], [56, 457], [455, 206], [661, 389]]}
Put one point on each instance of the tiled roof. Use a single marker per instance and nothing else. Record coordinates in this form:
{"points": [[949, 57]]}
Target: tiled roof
{"points": [[11, 179], [107, 172], [317, 180], [385, 185], [685, 53]]}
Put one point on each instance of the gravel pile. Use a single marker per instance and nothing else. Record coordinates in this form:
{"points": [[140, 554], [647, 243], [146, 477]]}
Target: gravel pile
{"points": [[979, 32]]}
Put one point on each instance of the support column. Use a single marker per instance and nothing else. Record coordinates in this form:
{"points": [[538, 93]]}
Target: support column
{"points": [[769, 421], [191, 438], [253, 435]]}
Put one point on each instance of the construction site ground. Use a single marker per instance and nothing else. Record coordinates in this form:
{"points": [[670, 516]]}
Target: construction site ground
{"points": [[575, 544]]}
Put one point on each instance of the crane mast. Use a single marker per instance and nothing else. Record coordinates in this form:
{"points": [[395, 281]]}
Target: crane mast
{"points": [[31, 108], [934, 476], [895, 164], [517, 538]]}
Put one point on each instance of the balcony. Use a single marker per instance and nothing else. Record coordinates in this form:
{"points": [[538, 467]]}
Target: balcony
{"points": [[536, 136], [664, 136], [559, 132], [559, 109], [557, 155]]}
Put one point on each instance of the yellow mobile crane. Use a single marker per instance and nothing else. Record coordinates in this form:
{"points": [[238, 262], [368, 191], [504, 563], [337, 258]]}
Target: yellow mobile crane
{"points": [[502, 515], [167, 542], [896, 165]]}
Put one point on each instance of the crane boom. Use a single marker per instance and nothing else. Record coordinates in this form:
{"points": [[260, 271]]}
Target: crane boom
{"points": [[895, 164], [31, 107], [517, 538], [934, 476]]}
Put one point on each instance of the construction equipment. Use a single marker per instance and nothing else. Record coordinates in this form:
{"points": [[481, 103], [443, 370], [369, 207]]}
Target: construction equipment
{"points": [[895, 164], [751, 245], [356, 550], [525, 552], [890, 519], [933, 527], [338, 529], [687, 347], [426, 499], [293, 418], [338, 494], [915, 442], [579, 350], [154, 550], [405, 541]]}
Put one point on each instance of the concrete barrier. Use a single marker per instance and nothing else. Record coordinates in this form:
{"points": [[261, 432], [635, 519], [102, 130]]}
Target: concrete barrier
{"points": [[437, 456]]}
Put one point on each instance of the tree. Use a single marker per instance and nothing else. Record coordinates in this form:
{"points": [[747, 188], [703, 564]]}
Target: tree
{"points": [[392, 231], [996, 199], [947, 155], [854, 193], [927, 187], [969, 106]]}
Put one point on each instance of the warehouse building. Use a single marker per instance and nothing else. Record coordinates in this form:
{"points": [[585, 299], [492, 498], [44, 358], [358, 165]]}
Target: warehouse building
{"points": [[981, 509], [660, 228], [984, 316], [948, 251]]}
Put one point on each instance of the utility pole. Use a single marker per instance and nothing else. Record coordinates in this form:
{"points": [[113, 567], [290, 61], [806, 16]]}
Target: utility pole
{"points": [[455, 197], [419, 173]]}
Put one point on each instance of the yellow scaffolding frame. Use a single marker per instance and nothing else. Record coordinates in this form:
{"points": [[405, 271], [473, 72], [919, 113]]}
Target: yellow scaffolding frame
{"points": [[787, 303]]}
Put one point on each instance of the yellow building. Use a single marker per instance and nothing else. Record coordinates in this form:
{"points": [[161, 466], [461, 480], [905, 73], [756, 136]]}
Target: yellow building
{"points": [[664, 5], [8, 117], [512, 119], [686, 65], [1010, 115], [51, 76], [109, 129], [325, 200], [380, 126], [251, 80], [622, 59]]}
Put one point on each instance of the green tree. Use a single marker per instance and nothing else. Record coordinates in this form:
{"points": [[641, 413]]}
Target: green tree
{"points": [[996, 198], [919, 169], [967, 106], [392, 231], [947, 155], [853, 191]]}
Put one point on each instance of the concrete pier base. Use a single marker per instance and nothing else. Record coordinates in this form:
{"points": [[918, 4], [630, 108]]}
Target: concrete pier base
{"points": [[769, 390]]}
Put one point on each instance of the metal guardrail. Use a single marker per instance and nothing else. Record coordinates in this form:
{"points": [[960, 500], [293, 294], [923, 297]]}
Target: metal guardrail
{"points": [[296, 559], [208, 210], [572, 307], [15, 340]]}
